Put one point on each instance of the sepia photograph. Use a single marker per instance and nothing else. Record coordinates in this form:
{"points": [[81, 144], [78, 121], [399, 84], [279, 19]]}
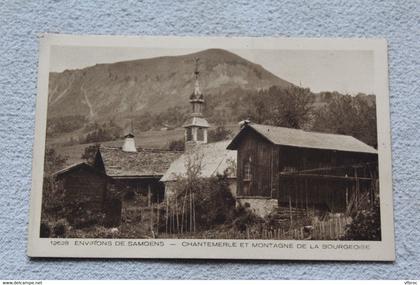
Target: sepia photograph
{"points": [[209, 141]]}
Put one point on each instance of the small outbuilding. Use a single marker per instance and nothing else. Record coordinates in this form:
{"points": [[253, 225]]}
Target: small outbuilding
{"points": [[86, 187]]}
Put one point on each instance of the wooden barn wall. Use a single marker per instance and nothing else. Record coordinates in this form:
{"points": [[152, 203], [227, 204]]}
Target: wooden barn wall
{"points": [[333, 196], [82, 185], [294, 158], [260, 151], [92, 190], [275, 178], [316, 193]]}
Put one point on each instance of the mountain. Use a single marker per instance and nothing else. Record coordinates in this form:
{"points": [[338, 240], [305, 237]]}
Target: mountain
{"points": [[99, 103], [116, 90]]}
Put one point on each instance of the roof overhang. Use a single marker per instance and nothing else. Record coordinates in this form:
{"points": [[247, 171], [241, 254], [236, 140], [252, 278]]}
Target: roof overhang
{"points": [[75, 166], [233, 145], [133, 177], [248, 127], [196, 122]]}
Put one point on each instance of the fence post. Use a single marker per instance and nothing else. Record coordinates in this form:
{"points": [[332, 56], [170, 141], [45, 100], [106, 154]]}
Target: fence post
{"points": [[151, 218], [193, 212], [158, 215], [339, 226], [290, 211], [336, 229], [166, 215], [149, 195], [330, 229]]}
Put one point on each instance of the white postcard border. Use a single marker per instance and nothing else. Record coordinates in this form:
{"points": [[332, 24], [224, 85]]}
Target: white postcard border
{"points": [[174, 248]]}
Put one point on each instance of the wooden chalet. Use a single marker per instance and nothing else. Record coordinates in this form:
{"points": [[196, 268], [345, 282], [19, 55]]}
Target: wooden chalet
{"points": [[283, 167], [136, 173], [121, 179]]}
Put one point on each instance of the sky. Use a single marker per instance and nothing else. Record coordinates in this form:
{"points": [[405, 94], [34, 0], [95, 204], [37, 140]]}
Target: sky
{"points": [[348, 72]]}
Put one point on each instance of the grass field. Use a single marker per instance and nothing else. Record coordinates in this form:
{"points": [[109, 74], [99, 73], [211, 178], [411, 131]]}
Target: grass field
{"points": [[149, 139]]}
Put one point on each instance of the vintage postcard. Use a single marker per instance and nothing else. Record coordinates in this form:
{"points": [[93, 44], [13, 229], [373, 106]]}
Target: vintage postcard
{"points": [[212, 147]]}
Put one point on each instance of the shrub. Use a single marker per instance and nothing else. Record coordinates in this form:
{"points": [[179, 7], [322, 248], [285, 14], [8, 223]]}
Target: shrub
{"points": [[60, 228], [44, 231], [366, 224], [96, 232], [88, 219], [82, 213], [200, 203], [208, 201], [214, 194], [245, 218]]}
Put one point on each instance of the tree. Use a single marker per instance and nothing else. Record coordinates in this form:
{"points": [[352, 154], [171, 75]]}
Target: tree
{"points": [[367, 129], [51, 196], [219, 134], [257, 109], [291, 107], [65, 124], [349, 115], [285, 107], [53, 161], [98, 133], [90, 153]]}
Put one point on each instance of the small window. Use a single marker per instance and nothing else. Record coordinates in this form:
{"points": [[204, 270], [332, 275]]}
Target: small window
{"points": [[289, 169], [196, 108], [200, 134], [247, 170], [189, 134]]}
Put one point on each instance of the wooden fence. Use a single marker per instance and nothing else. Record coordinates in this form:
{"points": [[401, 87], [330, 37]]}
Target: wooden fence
{"points": [[330, 229]]}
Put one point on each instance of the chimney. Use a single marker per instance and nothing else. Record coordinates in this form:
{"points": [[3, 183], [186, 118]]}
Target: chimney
{"points": [[129, 143]]}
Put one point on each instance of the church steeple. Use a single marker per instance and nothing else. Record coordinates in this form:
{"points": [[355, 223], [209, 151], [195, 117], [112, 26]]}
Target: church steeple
{"points": [[197, 98], [196, 127]]}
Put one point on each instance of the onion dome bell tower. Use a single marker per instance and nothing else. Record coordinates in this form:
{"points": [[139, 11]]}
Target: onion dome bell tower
{"points": [[196, 126]]}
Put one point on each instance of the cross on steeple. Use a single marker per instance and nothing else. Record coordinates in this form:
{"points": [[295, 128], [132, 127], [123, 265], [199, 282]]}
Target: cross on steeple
{"points": [[196, 72]]}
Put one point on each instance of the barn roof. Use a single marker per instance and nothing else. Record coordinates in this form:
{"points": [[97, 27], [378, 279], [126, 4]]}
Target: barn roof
{"points": [[215, 159], [144, 163], [301, 138], [76, 166]]}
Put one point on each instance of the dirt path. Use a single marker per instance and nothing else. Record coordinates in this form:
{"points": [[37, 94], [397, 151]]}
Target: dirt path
{"points": [[82, 89]]}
